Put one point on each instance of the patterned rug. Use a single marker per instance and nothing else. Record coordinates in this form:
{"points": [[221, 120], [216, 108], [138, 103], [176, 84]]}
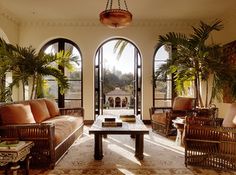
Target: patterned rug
{"points": [[162, 157]]}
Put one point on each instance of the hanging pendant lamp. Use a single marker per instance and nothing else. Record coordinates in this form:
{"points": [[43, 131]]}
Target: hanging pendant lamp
{"points": [[116, 17]]}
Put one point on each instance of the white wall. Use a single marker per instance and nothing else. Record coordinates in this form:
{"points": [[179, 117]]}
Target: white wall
{"points": [[89, 35], [10, 28]]}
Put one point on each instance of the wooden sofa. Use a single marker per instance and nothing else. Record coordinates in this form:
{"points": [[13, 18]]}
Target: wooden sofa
{"points": [[211, 142], [52, 130]]}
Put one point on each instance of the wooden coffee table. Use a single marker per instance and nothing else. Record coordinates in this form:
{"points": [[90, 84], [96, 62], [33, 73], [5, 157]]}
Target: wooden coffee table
{"points": [[136, 129]]}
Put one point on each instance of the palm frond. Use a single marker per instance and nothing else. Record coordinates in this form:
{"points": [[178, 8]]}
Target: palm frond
{"points": [[119, 47]]}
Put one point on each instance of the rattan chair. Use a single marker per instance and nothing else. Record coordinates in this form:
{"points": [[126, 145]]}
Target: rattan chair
{"points": [[161, 118], [209, 144]]}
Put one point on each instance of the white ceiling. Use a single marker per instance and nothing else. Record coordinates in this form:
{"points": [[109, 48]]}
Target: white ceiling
{"points": [[25, 10]]}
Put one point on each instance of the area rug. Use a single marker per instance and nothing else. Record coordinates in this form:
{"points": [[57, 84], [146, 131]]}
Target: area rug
{"points": [[162, 157]]}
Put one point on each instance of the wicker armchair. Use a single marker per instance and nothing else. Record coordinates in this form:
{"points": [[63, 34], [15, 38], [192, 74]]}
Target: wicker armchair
{"points": [[161, 118], [209, 144], [45, 153]]}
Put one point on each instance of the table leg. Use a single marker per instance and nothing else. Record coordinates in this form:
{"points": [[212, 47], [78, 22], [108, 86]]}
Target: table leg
{"points": [[179, 137], [98, 155], [26, 164], [14, 168], [139, 146]]}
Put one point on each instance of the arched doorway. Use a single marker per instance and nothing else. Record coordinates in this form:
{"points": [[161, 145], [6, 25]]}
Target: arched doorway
{"points": [[118, 75], [118, 102]]}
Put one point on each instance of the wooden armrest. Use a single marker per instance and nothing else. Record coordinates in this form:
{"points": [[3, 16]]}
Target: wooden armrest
{"points": [[34, 131], [204, 121], [72, 111], [202, 132]]}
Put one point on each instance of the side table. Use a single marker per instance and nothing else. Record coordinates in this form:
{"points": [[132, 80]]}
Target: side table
{"points": [[178, 123], [11, 156]]}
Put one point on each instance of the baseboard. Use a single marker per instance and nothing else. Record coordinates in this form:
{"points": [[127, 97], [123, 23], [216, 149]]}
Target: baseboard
{"points": [[147, 122], [88, 122]]}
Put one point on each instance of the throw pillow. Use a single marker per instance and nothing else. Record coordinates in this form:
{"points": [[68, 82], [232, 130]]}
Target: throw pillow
{"points": [[183, 103], [52, 107], [234, 120], [39, 110], [16, 114]]}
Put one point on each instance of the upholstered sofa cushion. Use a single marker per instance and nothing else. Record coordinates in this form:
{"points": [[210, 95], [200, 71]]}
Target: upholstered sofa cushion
{"points": [[64, 126], [234, 120], [183, 103], [229, 117], [159, 117], [16, 114], [52, 107], [39, 110]]}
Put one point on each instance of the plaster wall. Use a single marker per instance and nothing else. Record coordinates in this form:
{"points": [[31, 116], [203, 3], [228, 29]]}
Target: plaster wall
{"points": [[10, 29], [89, 36]]}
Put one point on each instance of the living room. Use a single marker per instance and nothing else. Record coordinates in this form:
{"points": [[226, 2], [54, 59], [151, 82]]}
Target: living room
{"points": [[37, 24]]}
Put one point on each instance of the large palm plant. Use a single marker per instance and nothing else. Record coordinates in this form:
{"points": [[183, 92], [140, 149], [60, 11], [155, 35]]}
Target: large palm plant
{"points": [[5, 65], [193, 60], [28, 67]]}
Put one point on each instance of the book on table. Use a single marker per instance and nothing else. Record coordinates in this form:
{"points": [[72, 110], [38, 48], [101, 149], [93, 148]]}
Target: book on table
{"points": [[9, 145], [111, 122], [128, 118]]}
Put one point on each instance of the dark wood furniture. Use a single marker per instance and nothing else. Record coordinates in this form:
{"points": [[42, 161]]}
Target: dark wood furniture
{"points": [[161, 117], [45, 153], [208, 144], [136, 129], [211, 112], [10, 157]]}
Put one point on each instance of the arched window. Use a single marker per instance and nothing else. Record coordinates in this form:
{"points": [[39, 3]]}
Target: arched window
{"points": [[73, 97], [162, 87]]}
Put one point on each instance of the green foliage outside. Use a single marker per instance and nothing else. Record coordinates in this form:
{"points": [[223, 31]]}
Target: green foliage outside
{"points": [[117, 79]]}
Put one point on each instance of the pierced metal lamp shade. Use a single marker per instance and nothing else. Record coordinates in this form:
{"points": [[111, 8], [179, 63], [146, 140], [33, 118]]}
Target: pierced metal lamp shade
{"points": [[115, 18]]}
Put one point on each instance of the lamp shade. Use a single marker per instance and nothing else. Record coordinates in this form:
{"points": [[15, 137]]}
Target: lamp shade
{"points": [[115, 17]]}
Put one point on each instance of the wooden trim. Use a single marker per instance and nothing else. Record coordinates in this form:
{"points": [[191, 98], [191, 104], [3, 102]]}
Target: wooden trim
{"points": [[88, 122], [147, 122]]}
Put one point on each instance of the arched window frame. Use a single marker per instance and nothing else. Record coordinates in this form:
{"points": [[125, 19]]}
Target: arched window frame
{"points": [[167, 99], [62, 97]]}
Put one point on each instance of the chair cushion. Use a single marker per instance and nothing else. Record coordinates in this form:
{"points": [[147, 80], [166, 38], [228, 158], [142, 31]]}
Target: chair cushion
{"points": [[16, 114], [159, 117], [183, 103], [52, 107], [39, 110], [64, 126], [229, 117], [234, 120]]}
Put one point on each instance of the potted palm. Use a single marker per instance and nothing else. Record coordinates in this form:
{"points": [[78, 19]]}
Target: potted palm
{"points": [[5, 64], [193, 60], [29, 67]]}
